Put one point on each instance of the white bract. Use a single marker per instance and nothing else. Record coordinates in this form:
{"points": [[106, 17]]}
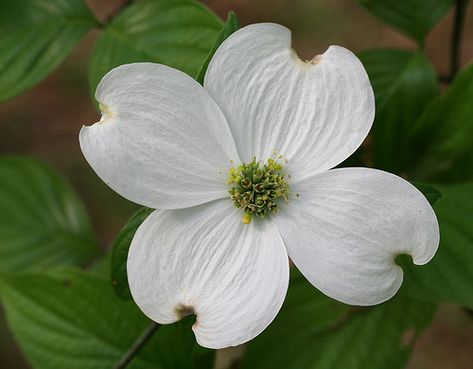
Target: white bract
{"points": [[168, 143]]}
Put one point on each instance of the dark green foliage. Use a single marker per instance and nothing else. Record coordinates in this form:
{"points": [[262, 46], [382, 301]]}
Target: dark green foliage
{"points": [[120, 253], [231, 25], [415, 18], [444, 134], [42, 222], [431, 193], [403, 82], [313, 331], [36, 35], [448, 276], [177, 33], [72, 319]]}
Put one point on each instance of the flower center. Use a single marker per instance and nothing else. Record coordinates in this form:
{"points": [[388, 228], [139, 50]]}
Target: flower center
{"points": [[258, 187]]}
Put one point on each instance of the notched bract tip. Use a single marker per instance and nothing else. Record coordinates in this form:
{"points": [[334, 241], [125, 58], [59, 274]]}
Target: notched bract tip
{"points": [[315, 60], [106, 113], [184, 310], [307, 63]]}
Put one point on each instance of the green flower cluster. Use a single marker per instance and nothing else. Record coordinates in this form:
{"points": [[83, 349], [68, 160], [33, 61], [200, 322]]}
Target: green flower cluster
{"points": [[257, 187]]}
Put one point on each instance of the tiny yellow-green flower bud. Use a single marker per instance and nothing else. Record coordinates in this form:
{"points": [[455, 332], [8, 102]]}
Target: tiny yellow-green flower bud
{"points": [[246, 218]]}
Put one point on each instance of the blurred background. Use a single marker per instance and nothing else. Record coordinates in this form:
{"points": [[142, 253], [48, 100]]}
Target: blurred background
{"points": [[45, 121]]}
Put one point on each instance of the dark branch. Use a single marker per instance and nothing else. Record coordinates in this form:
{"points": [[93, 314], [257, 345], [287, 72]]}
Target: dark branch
{"points": [[445, 79], [468, 312], [457, 33], [120, 9], [137, 346]]}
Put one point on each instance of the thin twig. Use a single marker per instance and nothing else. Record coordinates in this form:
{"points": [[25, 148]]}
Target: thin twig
{"points": [[120, 9], [468, 312], [137, 346], [445, 78], [457, 33]]}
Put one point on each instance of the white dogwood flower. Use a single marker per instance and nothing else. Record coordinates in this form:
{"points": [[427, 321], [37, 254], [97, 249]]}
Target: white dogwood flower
{"points": [[256, 143]]}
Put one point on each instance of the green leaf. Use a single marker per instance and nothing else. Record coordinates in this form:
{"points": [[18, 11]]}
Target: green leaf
{"points": [[431, 193], [120, 253], [231, 25], [177, 33], [415, 18], [444, 134], [448, 276], [102, 265], [42, 222], [306, 313], [72, 319], [312, 331], [36, 36], [403, 82]]}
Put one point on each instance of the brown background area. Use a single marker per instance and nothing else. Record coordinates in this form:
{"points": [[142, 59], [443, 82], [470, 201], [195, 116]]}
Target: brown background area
{"points": [[44, 122]]}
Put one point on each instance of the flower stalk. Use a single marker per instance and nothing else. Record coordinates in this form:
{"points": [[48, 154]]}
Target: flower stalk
{"points": [[137, 346], [457, 34]]}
